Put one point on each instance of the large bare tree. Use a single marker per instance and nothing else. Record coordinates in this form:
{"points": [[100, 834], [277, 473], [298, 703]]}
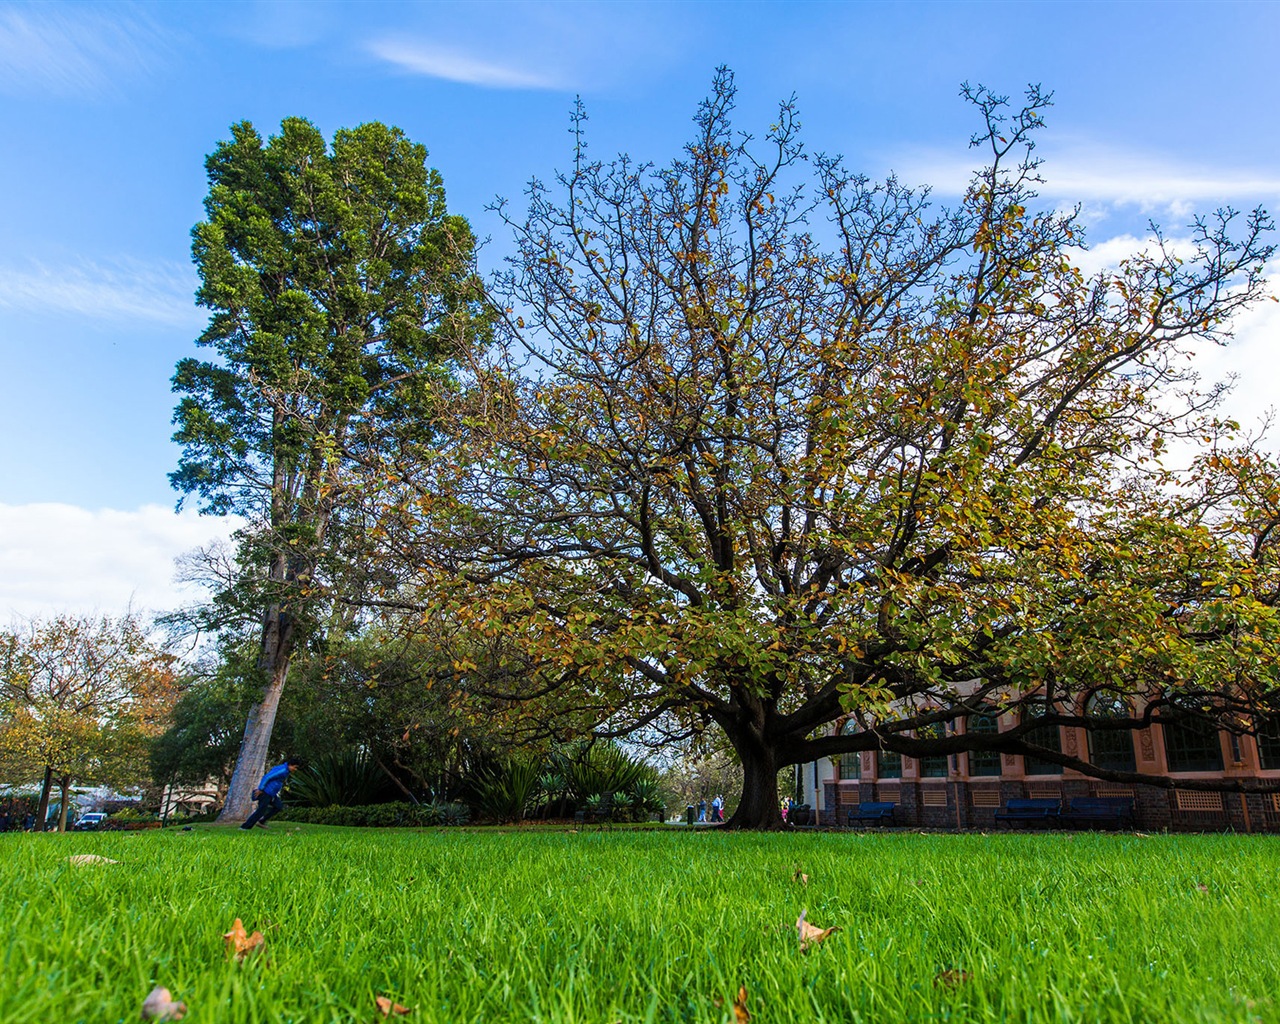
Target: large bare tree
{"points": [[792, 449]]}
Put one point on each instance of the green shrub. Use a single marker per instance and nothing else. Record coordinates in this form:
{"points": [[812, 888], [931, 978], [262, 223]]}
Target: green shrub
{"points": [[454, 813], [646, 795], [505, 791], [349, 778], [132, 814], [392, 815]]}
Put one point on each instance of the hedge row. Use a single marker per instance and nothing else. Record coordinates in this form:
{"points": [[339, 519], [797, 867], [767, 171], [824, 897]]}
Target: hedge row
{"points": [[394, 815]]}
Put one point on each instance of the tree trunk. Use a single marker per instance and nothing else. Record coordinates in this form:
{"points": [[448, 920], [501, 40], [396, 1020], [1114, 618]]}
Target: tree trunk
{"points": [[64, 787], [43, 811], [277, 647], [759, 807]]}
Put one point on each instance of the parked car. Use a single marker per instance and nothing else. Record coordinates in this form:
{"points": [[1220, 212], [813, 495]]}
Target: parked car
{"points": [[89, 822]]}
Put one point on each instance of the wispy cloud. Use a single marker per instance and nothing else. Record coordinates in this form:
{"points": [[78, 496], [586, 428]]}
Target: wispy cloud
{"points": [[454, 65], [1093, 174], [125, 290], [63, 558], [77, 51]]}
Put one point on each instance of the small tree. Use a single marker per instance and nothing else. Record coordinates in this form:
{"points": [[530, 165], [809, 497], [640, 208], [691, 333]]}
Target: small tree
{"points": [[340, 289], [803, 450], [80, 700]]}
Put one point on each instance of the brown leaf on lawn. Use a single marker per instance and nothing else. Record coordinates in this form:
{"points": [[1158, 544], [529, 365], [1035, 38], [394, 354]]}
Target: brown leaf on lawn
{"points": [[239, 942], [386, 1007], [811, 935], [1202, 887], [799, 876], [160, 1006], [740, 1014], [90, 858], [952, 978]]}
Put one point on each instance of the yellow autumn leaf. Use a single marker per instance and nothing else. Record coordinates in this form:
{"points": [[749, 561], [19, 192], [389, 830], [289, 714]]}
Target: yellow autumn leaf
{"points": [[80, 859], [387, 1007], [812, 935], [241, 943]]}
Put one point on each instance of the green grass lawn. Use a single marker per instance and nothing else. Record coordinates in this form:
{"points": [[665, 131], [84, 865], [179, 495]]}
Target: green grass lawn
{"points": [[596, 927]]}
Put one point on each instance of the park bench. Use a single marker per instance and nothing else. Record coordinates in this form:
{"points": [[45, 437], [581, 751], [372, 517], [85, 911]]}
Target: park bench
{"points": [[869, 811], [801, 816], [1034, 811], [1100, 811]]}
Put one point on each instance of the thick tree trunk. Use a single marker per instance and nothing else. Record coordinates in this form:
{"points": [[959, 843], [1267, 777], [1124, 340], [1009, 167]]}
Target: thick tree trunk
{"points": [[64, 789], [42, 811], [277, 647], [759, 807]]}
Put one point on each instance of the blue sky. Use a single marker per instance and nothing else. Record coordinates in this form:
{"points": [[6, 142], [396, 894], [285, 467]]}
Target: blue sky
{"points": [[108, 110]]}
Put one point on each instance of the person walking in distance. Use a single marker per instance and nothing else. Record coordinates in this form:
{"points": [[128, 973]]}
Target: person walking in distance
{"points": [[268, 794]]}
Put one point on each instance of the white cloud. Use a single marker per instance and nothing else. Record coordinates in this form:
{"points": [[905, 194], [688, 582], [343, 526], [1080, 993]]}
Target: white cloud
{"points": [[1107, 254], [126, 290], [1252, 357], [62, 558], [456, 66], [83, 52]]}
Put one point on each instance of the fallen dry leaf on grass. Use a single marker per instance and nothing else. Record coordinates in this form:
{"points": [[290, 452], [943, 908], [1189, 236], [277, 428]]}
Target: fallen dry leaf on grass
{"points": [[740, 1013], [1202, 887], [800, 876], [90, 858], [242, 944], [811, 935], [386, 1007], [160, 1006], [952, 978]]}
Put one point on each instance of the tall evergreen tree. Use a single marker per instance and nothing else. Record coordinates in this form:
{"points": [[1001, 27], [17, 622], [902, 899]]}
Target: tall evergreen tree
{"points": [[340, 292]]}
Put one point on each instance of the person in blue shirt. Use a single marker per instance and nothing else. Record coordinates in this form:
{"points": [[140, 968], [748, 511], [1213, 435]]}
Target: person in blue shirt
{"points": [[268, 794]]}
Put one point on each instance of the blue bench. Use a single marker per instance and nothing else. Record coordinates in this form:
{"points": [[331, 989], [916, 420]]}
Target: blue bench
{"points": [[1034, 811], [1102, 811], [871, 811]]}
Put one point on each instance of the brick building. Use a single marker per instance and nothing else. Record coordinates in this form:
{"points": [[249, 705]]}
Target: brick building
{"points": [[965, 790]]}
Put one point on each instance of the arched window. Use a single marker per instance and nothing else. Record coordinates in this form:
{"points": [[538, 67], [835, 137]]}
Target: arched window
{"points": [[983, 762], [1109, 748], [933, 766], [1046, 736], [1191, 744]]}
